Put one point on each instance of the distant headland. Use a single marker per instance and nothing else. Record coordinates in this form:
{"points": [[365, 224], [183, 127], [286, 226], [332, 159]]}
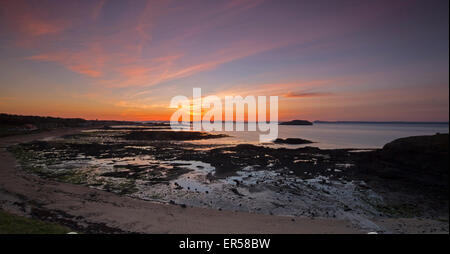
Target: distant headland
{"points": [[379, 122]]}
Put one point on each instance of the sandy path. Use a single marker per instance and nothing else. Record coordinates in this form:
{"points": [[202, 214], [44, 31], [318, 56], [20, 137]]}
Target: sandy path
{"points": [[81, 206]]}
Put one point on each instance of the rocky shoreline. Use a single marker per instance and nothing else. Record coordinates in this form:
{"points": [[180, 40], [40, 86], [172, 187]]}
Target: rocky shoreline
{"points": [[362, 187]]}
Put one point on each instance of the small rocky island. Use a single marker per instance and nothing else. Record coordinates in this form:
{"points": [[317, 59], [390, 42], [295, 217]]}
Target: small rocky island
{"points": [[297, 122], [292, 141]]}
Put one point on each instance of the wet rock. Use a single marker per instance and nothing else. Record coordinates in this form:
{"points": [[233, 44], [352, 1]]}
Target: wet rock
{"points": [[347, 209], [169, 135], [235, 191], [177, 186], [427, 154], [119, 174]]}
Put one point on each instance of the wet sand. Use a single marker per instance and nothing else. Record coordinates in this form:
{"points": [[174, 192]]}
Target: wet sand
{"points": [[95, 211]]}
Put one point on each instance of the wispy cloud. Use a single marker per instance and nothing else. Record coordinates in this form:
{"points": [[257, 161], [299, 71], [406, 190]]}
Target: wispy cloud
{"points": [[305, 94], [130, 57], [278, 89], [28, 22], [89, 62]]}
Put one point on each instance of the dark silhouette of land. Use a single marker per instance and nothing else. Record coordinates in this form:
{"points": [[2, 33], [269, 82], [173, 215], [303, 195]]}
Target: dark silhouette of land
{"points": [[297, 122], [19, 124]]}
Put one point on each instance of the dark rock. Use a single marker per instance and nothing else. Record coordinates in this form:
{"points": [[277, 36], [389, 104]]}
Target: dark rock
{"points": [[119, 174], [235, 191], [408, 170], [292, 141], [428, 154], [169, 135]]}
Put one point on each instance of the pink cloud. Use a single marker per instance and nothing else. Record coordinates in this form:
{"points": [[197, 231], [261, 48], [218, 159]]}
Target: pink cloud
{"points": [[117, 59], [20, 18], [89, 62], [35, 27], [98, 9], [304, 94], [278, 89]]}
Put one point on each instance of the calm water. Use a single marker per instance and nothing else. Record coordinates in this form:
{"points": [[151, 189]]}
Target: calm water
{"points": [[337, 135]]}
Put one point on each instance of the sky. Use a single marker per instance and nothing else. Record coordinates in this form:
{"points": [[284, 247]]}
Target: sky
{"points": [[331, 60]]}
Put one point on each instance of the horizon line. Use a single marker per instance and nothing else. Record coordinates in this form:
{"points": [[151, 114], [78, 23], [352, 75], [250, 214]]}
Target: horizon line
{"points": [[313, 121]]}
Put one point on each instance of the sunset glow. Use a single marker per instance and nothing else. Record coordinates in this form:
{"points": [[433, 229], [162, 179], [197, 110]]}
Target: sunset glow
{"points": [[105, 59]]}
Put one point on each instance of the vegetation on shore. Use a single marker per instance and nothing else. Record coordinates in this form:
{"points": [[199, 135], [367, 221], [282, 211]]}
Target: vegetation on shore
{"points": [[18, 124], [14, 224]]}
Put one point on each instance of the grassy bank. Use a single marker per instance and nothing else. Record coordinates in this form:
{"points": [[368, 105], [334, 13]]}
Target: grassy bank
{"points": [[13, 224]]}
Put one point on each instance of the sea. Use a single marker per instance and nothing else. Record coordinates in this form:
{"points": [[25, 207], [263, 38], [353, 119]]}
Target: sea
{"points": [[335, 135]]}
